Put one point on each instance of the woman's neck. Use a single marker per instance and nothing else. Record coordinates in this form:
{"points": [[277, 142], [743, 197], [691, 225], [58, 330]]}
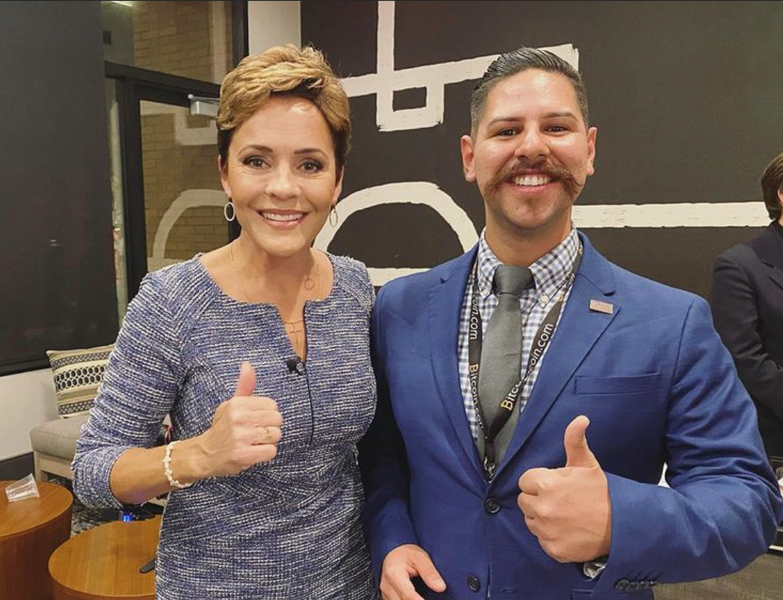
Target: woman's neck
{"points": [[286, 282]]}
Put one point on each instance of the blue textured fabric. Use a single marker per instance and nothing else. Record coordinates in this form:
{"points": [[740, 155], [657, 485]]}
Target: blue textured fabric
{"points": [[284, 529]]}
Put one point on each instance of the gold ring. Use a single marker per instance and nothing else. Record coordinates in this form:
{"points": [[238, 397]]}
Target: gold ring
{"points": [[267, 435]]}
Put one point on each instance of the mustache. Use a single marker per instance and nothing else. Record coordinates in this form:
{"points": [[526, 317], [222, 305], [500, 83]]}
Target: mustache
{"points": [[544, 167]]}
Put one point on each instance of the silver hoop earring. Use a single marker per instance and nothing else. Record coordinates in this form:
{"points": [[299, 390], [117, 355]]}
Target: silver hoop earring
{"points": [[334, 218], [226, 211]]}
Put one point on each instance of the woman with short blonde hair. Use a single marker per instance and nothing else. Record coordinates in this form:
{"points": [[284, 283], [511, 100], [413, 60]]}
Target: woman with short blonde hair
{"points": [[259, 351]]}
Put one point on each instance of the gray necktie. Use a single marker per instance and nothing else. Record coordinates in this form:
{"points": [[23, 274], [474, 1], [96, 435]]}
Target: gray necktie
{"points": [[501, 352]]}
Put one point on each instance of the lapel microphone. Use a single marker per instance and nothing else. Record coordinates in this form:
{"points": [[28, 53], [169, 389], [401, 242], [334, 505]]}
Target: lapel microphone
{"points": [[295, 365]]}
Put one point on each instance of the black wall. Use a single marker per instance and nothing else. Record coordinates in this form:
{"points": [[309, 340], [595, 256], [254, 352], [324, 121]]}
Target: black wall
{"points": [[56, 254], [687, 97]]}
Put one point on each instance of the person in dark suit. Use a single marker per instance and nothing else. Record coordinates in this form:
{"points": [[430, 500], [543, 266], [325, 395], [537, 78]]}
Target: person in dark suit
{"points": [[747, 307], [471, 494]]}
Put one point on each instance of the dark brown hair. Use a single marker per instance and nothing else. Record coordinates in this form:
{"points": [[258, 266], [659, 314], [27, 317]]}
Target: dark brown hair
{"points": [[771, 184], [517, 61]]}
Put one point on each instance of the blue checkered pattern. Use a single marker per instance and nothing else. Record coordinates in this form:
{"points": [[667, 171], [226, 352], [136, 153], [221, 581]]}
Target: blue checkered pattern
{"points": [[550, 273]]}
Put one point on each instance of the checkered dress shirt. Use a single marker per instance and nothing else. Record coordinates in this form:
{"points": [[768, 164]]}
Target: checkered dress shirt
{"points": [[550, 273]]}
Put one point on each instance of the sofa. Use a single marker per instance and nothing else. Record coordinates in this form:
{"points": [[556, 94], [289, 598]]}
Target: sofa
{"points": [[54, 444], [77, 376]]}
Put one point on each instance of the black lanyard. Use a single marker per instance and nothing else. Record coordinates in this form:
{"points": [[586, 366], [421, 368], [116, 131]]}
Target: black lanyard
{"points": [[540, 342]]}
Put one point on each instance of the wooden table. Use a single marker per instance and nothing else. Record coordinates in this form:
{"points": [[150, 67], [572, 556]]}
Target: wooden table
{"points": [[104, 562], [30, 530]]}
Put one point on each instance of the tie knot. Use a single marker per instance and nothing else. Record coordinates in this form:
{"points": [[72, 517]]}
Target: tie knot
{"points": [[512, 280]]}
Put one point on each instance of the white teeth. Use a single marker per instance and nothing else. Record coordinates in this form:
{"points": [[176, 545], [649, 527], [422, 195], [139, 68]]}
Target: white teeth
{"points": [[279, 217], [532, 180]]}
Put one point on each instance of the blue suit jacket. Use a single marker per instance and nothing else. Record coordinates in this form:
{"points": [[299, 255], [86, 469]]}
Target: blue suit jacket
{"points": [[658, 387]]}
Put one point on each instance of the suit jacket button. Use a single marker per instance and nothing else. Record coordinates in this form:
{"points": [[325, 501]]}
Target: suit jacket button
{"points": [[473, 583], [492, 506], [621, 585]]}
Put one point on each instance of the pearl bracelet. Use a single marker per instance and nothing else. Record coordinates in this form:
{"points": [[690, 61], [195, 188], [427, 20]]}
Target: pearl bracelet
{"points": [[167, 468]]}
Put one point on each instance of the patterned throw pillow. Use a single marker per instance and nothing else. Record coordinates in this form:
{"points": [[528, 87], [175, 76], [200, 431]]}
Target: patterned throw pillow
{"points": [[77, 375]]}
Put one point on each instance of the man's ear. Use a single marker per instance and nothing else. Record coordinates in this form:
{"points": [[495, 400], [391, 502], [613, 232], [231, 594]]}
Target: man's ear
{"points": [[592, 135], [466, 149]]}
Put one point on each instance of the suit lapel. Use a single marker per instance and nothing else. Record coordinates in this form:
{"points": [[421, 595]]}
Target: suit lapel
{"points": [[445, 306], [769, 248], [776, 275], [578, 331]]}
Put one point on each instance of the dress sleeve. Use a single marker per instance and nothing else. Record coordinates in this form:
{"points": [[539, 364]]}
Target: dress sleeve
{"points": [[141, 383], [367, 287]]}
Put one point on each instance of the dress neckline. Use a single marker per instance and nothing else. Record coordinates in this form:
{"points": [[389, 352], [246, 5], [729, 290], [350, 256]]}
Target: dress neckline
{"points": [[224, 296]]}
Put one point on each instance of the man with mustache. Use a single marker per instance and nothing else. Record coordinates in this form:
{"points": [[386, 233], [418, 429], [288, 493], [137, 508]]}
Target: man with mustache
{"points": [[482, 477]]}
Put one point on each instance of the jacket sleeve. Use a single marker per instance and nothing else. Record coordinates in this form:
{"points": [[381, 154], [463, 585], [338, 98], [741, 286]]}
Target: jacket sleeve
{"points": [[382, 459], [723, 504], [735, 312]]}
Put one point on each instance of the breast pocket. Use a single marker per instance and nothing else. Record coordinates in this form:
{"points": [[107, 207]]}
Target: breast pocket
{"points": [[633, 384]]}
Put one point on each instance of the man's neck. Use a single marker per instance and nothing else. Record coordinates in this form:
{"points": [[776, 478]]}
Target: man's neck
{"points": [[521, 250]]}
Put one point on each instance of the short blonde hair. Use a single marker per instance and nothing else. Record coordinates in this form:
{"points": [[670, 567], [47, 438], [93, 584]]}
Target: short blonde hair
{"points": [[284, 70]]}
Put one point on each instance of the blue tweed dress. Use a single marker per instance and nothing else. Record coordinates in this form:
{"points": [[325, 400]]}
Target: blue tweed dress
{"points": [[285, 529]]}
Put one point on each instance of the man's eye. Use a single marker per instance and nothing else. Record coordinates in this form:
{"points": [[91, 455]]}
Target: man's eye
{"points": [[558, 128], [507, 132]]}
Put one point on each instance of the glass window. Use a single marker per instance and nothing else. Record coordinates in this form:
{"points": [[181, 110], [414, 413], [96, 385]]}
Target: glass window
{"points": [[189, 39], [183, 198]]}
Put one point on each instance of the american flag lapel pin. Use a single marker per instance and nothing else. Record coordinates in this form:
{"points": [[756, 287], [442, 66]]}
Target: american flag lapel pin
{"points": [[602, 307]]}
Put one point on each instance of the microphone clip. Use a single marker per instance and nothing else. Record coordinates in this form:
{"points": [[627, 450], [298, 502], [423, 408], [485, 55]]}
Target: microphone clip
{"points": [[295, 365]]}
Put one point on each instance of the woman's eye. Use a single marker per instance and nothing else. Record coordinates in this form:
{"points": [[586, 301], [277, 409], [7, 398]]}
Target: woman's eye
{"points": [[312, 166], [255, 161]]}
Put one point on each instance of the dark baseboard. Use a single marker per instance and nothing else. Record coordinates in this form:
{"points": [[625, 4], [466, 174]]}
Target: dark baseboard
{"points": [[17, 467]]}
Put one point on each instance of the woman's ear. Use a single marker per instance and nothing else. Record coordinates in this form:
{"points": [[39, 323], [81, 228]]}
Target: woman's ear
{"points": [[338, 188], [223, 170]]}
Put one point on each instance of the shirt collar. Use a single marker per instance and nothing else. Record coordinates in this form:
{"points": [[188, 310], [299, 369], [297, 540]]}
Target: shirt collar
{"points": [[550, 271]]}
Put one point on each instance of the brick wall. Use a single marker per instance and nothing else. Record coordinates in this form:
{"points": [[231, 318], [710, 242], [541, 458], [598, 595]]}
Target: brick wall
{"points": [[180, 38]]}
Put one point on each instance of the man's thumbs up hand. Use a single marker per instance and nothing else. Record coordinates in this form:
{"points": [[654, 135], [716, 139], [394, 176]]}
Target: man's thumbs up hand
{"points": [[577, 451], [568, 509]]}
